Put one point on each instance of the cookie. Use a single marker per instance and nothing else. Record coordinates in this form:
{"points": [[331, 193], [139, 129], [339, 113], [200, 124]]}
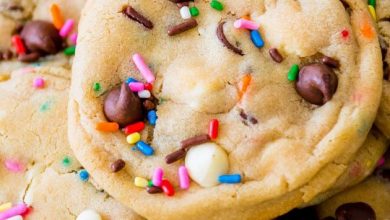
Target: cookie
{"points": [[37, 166], [370, 198], [262, 130], [383, 14], [40, 30]]}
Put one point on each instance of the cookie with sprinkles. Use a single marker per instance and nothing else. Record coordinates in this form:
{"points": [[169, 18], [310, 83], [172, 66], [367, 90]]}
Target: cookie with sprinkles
{"points": [[279, 125], [40, 176]]}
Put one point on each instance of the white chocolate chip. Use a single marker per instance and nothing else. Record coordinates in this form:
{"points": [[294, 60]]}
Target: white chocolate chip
{"points": [[88, 214], [185, 12], [205, 163]]}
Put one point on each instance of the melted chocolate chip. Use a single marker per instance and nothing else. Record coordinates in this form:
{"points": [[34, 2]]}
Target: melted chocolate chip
{"points": [[29, 58], [182, 27], [123, 106], [221, 36], [118, 165], [275, 55], [316, 83], [355, 211], [41, 37], [131, 13]]}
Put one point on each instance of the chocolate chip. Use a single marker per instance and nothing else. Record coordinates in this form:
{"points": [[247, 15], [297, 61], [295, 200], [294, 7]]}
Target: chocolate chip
{"points": [[154, 190], [131, 13], [29, 58], [123, 106], [41, 37], [275, 55], [182, 27], [200, 139], [316, 83], [175, 156], [329, 61], [221, 36], [118, 165], [355, 211], [149, 105]]}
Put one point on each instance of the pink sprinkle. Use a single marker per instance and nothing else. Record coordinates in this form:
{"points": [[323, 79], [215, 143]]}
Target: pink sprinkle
{"points": [[14, 211], [136, 86], [381, 162], [67, 28], [39, 83], [184, 178], [143, 68], [13, 166], [157, 177], [246, 24], [73, 38]]}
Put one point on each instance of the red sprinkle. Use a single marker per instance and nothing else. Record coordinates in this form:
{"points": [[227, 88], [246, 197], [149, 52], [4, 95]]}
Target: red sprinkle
{"points": [[345, 33], [136, 127], [148, 86], [167, 187], [213, 129], [18, 44]]}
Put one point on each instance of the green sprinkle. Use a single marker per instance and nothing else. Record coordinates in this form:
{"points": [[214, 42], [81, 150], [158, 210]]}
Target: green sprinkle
{"points": [[194, 11], [97, 87], [216, 5], [293, 73], [45, 106], [66, 161], [70, 50], [150, 183], [372, 2]]}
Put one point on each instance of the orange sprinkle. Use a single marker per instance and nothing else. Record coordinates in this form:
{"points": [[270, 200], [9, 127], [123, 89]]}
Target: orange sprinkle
{"points": [[56, 15], [107, 126], [246, 80], [367, 30]]}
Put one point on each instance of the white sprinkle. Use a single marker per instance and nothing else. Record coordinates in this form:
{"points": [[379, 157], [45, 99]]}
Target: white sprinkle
{"points": [[144, 94], [185, 12]]}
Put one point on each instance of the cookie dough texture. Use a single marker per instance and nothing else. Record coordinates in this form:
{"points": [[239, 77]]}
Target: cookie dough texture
{"points": [[374, 191], [296, 150], [383, 118], [33, 131]]}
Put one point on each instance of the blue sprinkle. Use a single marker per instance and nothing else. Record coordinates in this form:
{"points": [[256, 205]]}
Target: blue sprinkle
{"points": [[256, 39], [146, 149], [84, 175], [230, 178], [152, 117], [130, 80]]}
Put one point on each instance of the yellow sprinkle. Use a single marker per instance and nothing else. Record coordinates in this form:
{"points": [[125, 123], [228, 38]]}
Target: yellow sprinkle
{"points": [[140, 182], [372, 11], [133, 138], [5, 206], [4, 77]]}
